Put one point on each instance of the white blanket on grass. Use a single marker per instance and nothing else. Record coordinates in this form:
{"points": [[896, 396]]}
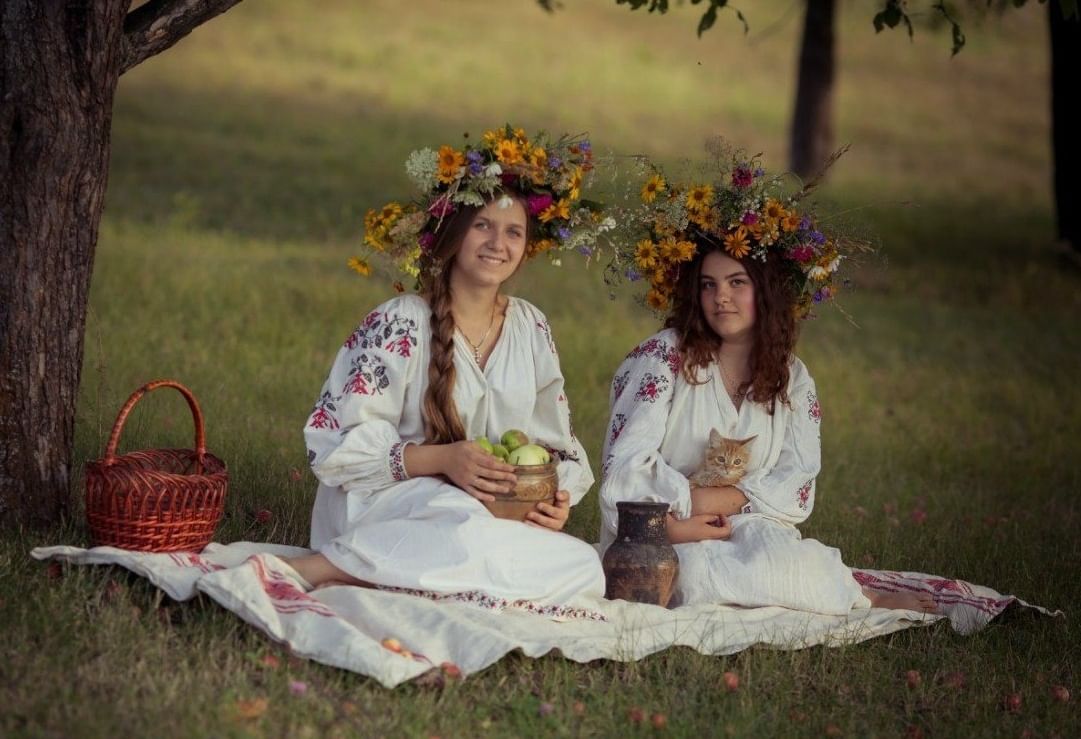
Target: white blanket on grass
{"points": [[345, 626]]}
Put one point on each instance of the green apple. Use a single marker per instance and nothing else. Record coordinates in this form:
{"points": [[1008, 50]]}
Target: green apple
{"points": [[484, 444], [513, 439], [500, 451], [529, 454]]}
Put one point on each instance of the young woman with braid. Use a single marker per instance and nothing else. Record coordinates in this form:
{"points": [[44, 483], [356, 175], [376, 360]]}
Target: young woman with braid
{"points": [[399, 503]]}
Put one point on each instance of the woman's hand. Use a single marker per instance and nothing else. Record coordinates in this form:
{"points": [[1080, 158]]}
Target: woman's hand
{"points": [[726, 500], [467, 465], [476, 471], [701, 527], [550, 516]]}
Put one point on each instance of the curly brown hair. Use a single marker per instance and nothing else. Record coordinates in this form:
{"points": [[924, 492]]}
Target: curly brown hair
{"points": [[442, 423], [775, 328]]}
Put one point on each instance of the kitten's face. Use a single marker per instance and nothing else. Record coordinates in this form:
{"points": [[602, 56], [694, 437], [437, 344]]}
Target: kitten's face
{"points": [[730, 455]]}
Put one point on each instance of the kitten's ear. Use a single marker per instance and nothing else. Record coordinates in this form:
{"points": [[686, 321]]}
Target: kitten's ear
{"points": [[715, 437], [748, 440]]}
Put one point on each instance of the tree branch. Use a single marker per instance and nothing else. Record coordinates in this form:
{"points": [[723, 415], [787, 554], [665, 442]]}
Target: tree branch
{"points": [[158, 24]]}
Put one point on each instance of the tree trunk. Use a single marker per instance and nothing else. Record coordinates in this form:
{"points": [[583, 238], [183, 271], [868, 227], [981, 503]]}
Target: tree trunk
{"points": [[812, 119], [1065, 124], [60, 66]]}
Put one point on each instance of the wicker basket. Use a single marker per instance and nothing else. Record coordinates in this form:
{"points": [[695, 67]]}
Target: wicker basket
{"points": [[155, 500]]}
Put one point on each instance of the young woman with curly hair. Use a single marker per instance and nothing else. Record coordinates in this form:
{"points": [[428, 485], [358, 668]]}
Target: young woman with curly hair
{"points": [[724, 364]]}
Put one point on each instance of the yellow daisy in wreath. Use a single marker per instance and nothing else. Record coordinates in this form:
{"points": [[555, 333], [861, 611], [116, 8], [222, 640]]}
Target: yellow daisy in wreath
{"points": [[774, 210], [359, 266], [538, 160], [645, 254], [708, 220], [657, 300], [450, 164], [735, 243], [389, 214], [576, 184], [370, 219], [560, 209], [684, 251], [668, 249], [699, 198], [659, 279], [791, 222], [654, 185], [508, 151]]}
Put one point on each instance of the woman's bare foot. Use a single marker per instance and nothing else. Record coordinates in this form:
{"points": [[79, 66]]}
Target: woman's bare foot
{"points": [[922, 602]]}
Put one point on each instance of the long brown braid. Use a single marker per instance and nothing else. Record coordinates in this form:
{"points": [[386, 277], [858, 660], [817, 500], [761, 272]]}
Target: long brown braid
{"points": [[443, 425], [776, 328]]}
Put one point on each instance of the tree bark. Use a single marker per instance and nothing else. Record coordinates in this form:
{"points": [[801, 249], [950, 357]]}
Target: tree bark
{"points": [[1065, 124], [812, 118], [60, 61]]}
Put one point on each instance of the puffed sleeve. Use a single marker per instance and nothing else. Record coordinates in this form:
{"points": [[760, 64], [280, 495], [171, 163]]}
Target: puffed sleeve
{"points": [[641, 400], [352, 433], [786, 489], [551, 422]]}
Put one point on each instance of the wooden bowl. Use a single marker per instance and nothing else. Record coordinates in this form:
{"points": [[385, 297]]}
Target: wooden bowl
{"points": [[536, 483]]}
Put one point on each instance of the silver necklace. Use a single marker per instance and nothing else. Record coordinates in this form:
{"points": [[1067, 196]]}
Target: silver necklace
{"points": [[736, 396], [479, 344]]}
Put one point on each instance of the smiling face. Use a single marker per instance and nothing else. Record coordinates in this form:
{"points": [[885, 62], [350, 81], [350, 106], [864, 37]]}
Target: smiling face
{"points": [[726, 295], [494, 244]]}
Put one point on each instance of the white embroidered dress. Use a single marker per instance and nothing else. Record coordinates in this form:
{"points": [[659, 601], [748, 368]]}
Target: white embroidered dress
{"points": [[657, 436], [425, 534]]}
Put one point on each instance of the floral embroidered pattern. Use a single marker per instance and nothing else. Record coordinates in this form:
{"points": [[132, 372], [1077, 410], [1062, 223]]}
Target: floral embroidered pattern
{"points": [[660, 350], [620, 384], [396, 334], [563, 455], [947, 594], [619, 420], [285, 597], [803, 495], [547, 331], [397, 462], [481, 599], [814, 410], [651, 387], [607, 465], [367, 376], [322, 416], [189, 559]]}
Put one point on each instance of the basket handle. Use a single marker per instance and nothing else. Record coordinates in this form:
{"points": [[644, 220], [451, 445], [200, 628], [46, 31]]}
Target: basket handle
{"points": [[193, 404]]}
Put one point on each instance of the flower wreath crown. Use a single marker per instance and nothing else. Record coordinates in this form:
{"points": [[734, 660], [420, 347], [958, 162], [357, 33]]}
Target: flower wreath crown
{"points": [[746, 213], [550, 174]]}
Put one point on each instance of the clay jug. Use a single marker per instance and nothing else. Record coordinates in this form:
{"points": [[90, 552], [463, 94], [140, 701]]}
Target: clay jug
{"points": [[641, 565]]}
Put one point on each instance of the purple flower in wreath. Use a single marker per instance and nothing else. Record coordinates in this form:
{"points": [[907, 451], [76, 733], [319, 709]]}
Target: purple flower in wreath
{"points": [[536, 204], [476, 162], [441, 207], [802, 253], [425, 241], [554, 163], [585, 251], [749, 218], [632, 274], [742, 177]]}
